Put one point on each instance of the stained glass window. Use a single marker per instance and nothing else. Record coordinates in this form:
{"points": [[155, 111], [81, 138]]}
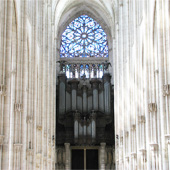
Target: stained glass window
{"points": [[84, 37]]}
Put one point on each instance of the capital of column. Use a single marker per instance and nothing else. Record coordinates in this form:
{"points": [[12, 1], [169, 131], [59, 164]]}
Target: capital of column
{"points": [[2, 90], [152, 107], [133, 127], [154, 147], [30, 119], [39, 127], [103, 145], [127, 158], [93, 115], [17, 147], [67, 145], [167, 137], [133, 155], [95, 83], [74, 83], [1, 139], [76, 115], [143, 151], [141, 119], [30, 152], [18, 107], [166, 89], [106, 77]]}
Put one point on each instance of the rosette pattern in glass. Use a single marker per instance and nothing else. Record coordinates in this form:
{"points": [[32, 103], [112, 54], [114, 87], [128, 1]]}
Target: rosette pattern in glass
{"points": [[84, 37]]}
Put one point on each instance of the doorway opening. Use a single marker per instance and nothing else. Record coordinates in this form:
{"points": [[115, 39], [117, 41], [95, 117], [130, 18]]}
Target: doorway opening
{"points": [[85, 159]]}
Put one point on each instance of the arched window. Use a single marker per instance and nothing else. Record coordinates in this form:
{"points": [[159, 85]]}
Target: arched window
{"points": [[84, 49], [84, 37]]}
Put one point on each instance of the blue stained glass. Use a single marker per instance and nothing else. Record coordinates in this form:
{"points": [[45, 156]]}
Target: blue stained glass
{"points": [[84, 37]]}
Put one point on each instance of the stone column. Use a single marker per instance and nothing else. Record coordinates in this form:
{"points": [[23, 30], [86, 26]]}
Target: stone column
{"points": [[95, 86], [168, 149], [93, 122], [68, 157], [107, 93], [143, 159], [1, 143], [154, 153], [74, 85], [62, 93], [76, 125], [85, 102], [102, 156]]}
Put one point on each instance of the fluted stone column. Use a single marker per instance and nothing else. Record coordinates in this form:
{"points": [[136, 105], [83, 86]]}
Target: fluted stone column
{"points": [[74, 85], [76, 125], [62, 94], [93, 122], [1, 144], [68, 157], [85, 102], [102, 156], [107, 93], [168, 148], [95, 85]]}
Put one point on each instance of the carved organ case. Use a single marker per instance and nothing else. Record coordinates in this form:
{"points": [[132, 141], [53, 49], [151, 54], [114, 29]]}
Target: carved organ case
{"points": [[85, 107]]}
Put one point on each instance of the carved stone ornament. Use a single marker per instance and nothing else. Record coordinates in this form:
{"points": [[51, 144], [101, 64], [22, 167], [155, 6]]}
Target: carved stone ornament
{"points": [[166, 89], [152, 107], [2, 90]]}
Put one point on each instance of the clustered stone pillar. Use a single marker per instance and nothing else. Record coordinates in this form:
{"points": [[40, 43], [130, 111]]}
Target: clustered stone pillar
{"points": [[68, 156], [95, 85], [62, 93], [107, 93], [153, 134], [102, 156]]}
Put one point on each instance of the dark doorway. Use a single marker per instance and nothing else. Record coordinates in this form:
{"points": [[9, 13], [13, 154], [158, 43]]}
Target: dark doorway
{"points": [[78, 159], [85, 159], [92, 159]]}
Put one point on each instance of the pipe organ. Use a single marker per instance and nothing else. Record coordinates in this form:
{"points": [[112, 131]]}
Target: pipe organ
{"points": [[85, 113]]}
